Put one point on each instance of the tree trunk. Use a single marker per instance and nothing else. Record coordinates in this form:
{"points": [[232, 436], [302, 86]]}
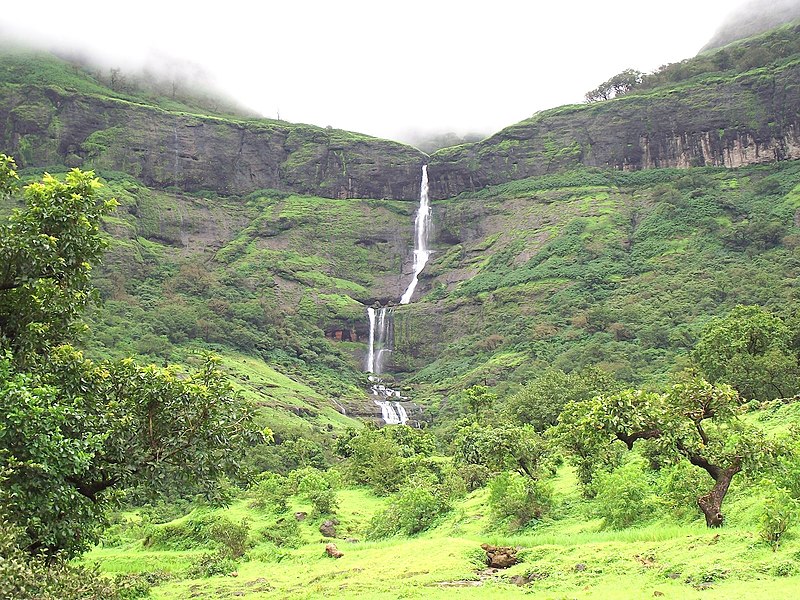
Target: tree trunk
{"points": [[711, 503]]}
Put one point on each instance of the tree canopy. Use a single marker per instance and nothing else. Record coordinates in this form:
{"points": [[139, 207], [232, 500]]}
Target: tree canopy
{"points": [[73, 433]]}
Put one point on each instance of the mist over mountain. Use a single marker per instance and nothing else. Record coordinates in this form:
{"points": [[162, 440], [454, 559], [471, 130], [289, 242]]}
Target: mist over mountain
{"points": [[753, 18]]}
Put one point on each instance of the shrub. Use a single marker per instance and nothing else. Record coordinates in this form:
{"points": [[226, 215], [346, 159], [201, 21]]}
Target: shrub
{"points": [[414, 509], [678, 487], [780, 511], [519, 500], [284, 533], [270, 492], [202, 530], [474, 476], [26, 577], [211, 564], [623, 496], [317, 487]]}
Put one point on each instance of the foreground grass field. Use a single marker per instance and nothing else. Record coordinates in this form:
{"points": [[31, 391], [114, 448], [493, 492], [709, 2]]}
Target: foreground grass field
{"points": [[570, 555]]}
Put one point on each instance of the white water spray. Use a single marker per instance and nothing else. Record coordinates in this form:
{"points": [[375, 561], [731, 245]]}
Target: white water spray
{"points": [[381, 337], [422, 224]]}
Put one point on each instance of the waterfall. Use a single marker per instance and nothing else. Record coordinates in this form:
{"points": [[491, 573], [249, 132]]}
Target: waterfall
{"points": [[381, 337], [381, 319], [422, 224]]}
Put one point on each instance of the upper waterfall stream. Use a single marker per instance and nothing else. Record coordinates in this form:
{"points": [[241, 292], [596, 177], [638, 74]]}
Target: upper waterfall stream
{"points": [[422, 225]]}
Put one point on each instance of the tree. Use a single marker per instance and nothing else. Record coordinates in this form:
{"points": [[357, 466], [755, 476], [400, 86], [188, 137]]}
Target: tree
{"points": [[478, 399], [541, 400], [46, 256], [750, 349], [74, 433], [501, 448], [694, 421], [619, 84]]}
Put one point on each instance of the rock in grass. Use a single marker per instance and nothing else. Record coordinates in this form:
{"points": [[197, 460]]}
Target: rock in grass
{"points": [[500, 557], [332, 551], [328, 528]]}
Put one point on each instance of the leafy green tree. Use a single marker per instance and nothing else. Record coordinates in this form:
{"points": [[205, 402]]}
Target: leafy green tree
{"points": [[478, 399], [502, 447], [694, 421], [751, 350], [76, 432], [619, 84], [541, 401], [46, 256]]}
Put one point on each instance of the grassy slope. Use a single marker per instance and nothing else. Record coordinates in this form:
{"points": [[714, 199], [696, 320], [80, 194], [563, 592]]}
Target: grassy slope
{"points": [[615, 269], [569, 555]]}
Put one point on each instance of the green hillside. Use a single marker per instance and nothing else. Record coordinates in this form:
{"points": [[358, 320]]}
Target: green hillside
{"points": [[602, 355]]}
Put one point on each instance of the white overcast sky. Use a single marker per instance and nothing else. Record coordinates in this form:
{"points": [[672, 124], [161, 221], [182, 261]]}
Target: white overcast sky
{"points": [[385, 68]]}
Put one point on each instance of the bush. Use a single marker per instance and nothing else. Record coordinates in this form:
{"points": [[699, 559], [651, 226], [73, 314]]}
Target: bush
{"points": [[474, 476], [317, 487], [414, 509], [209, 565], [519, 500], [780, 511], [26, 577], [679, 486], [624, 497], [270, 492], [202, 530], [284, 533]]}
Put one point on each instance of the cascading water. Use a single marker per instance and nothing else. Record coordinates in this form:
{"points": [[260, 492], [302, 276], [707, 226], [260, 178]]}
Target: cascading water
{"points": [[381, 337], [381, 319], [381, 341], [422, 225]]}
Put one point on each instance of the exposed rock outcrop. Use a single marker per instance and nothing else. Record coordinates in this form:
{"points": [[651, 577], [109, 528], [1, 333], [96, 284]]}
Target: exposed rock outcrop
{"points": [[730, 121], [45, 125]]}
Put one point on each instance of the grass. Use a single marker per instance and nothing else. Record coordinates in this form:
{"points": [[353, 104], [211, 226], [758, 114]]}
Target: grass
{"points": [[567, 556]]}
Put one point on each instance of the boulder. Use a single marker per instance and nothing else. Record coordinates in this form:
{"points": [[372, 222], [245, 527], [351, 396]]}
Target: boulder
{"points": [[332, 551], [500, 557], [328, 528]]}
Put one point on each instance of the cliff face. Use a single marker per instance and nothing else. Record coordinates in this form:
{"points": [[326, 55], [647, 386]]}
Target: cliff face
{"points": [[45, 126], [748, 119]]}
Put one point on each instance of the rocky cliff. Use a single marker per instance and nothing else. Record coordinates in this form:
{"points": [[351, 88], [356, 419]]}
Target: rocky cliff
{"points": [[716, 121], [45, 124]]}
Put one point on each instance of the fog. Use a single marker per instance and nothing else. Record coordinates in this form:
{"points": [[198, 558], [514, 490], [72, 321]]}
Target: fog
{"points": [[396, 70]]}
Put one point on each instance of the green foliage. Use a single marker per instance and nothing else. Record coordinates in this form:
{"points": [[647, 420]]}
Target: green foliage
{"points": [[230, 538], [678, 485], [519, 500], [478, 399], [26, 577], [8, 176], [750, 350], [415, 508], [318, 487], [502, 447], [541, 401], [778, 515], [211, 564], [76, 431], [618, 85], [270, 492], [284, 533], [47, 251], [474, 476], [383, 458], [624, 496]]}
